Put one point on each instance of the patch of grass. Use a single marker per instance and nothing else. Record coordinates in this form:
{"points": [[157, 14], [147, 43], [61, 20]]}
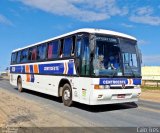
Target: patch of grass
{"points": [[150, 88]]}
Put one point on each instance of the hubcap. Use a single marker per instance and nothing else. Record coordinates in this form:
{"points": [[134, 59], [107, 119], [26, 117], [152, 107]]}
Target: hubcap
{"points": [[66, 95]]}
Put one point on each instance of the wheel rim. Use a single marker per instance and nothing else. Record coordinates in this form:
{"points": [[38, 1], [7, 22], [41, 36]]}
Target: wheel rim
{"points": [[66, 95]]}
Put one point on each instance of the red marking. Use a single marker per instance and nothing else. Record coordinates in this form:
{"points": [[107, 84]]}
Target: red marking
{"points": [[121, 96], [50, 51]]}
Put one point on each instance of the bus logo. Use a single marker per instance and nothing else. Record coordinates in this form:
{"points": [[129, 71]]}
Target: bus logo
{"points": [[123, 86]]}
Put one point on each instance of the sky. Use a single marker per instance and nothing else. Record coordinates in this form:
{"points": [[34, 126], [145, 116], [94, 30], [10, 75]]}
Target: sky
{"points": [[24, 22]]}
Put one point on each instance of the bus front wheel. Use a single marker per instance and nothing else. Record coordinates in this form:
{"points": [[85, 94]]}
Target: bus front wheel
{"points": [[19, 84], [67, 95]]}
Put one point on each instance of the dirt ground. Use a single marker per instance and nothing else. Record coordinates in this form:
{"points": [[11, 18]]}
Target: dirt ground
{"points": [[150, 95], [18, 112]]}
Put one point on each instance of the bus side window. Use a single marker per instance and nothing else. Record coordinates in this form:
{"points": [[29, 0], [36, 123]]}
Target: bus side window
{"points": [[18, 57], [29, 54], [24, 56], [61, 48], [77, 53], [53, 49], [32, 54], [78, 47], [67, 47], [73, 46], [41, 52], [14, 56], [85, 57]]}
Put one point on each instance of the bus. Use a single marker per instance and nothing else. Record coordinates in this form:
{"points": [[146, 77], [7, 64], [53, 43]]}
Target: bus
{"points": [[89, 66]]}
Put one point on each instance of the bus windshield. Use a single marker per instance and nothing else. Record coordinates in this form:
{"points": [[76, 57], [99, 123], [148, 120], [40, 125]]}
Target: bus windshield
{"points": [[130, 57], [115, 57]]}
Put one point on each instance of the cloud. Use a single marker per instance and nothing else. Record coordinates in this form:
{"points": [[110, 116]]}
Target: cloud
{"points": [[151, 59], [144, 15], [84, 10], [59, 27], [127, 25], [4, 20], [142, 42], [144, 11], [151, 20]]}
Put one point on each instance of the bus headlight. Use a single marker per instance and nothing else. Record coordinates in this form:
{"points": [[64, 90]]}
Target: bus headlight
{"points": [[101, 87]]}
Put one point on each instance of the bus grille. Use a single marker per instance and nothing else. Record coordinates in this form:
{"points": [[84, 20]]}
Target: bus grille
{"points": [[120, 87]]}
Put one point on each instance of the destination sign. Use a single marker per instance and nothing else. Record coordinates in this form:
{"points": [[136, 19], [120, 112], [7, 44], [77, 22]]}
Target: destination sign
{"points": [[107, 39]]}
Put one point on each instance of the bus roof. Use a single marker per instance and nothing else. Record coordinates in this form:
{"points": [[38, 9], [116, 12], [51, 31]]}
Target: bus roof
{"points": [[85, 30]]}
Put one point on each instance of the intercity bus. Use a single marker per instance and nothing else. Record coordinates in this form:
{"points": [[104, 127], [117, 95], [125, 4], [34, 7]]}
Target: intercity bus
{"points": [[78, 66]]}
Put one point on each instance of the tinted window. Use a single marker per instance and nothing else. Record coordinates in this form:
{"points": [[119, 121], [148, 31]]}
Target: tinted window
{"points": [[53, 49], [41, 52], [67, 47], [13, 60], [73, 47], [78, 49], [106, 61], [24, 56], [18, 57], [85, 68], [32, 54], [127, 45], [61, 49]]}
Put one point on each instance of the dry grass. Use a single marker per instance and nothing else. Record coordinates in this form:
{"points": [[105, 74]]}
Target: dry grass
{"points": [[145, 88]]}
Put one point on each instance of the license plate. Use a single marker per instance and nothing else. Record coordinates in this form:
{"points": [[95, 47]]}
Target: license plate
{"points": [[121, 96]]}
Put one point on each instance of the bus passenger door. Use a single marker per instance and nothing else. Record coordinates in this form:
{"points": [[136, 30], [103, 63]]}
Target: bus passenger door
{"points": [[83, 56], [81, 83]]}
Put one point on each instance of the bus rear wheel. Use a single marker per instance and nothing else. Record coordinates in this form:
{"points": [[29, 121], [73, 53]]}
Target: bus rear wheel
{"points": [[19, 84], [67, 95]]}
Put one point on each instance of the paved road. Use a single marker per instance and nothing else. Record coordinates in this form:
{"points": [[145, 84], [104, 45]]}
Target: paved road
{"points": [[140, 114]]}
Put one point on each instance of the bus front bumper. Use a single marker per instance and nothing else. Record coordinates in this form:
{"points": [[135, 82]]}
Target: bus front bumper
{"points": [[112, 96]]}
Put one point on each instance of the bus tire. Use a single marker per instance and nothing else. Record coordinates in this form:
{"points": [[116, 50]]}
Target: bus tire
{"points": [[19, 84], [67, 95]]}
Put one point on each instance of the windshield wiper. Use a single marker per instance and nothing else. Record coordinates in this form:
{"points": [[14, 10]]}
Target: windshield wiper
{"points": [[115, 71]]}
